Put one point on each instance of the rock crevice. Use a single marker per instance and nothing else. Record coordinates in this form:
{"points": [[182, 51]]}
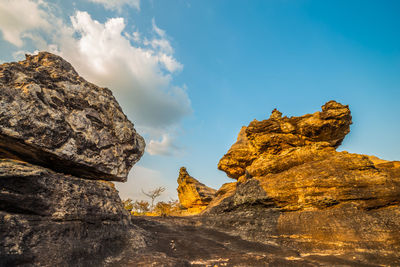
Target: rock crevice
{"points": [[60, 138], [51, 116], [291, 180]]}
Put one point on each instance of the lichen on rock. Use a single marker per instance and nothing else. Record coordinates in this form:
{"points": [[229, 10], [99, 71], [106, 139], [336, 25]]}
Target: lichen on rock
{"points": [[60, 138], [51, 116], [314, 198], [268, 139]]}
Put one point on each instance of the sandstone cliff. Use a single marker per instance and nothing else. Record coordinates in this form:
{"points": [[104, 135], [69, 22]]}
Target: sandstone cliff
{"points": [[295, 189], [59, 135], [193, 195]]}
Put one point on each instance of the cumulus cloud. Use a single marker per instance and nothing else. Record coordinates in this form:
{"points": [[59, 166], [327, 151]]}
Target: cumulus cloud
{"points": [[161, 147], [17, 18], [139, 68], [117, 4], [141, 76]]}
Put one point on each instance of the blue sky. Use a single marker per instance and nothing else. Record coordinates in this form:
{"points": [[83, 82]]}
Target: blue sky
{"points": [[189, 74]]}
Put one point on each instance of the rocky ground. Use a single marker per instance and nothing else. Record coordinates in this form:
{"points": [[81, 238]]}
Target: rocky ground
{"points": [[187, 241]]}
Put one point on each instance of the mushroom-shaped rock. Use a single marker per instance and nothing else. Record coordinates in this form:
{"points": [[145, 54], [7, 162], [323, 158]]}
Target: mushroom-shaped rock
{"points": [[50, 116], [271, 139]]}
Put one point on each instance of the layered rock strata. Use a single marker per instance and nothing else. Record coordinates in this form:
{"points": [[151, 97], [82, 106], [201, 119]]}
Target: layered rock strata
{"points": [[193, 195], [60, 138], [295, 189], [51, 116]]}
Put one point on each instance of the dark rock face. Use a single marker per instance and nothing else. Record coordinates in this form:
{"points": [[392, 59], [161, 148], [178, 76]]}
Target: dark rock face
{"points": [[51, 219], [60, 137], [58, 196], [296, 190], [222, 198], [51, 116], [182, 241], [212, 240], [193, 195]]}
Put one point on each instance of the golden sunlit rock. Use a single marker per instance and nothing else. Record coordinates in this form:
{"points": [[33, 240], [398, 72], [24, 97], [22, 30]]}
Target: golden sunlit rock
{"points": [[296, 189], [193, 195]]}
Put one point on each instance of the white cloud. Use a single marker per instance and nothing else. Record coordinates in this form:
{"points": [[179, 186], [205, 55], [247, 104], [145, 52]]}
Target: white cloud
{"points": [[19, 17], [140, 76], [138, 69], [117, 4], [165, 146], [164, 48], [160, 32]]}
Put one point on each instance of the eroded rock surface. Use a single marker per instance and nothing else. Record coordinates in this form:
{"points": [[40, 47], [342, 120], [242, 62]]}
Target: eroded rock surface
{"points": [[60, 139], [296, 201], [295, 189], [193, 195], [185, 241], [262, 142], [52, 219], [51, 116]]}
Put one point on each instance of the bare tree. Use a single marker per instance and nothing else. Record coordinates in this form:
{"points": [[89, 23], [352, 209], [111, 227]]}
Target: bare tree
{"points": [[153, 194]]}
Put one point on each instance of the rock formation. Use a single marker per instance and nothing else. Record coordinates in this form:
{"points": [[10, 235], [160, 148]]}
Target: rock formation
{"points": [[295, 200], [51, 116], [193, 195], [59, 136], [295, 189], [263, 145]]}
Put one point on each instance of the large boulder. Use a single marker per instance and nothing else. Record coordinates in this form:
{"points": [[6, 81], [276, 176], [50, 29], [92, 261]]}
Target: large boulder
{"points": [[193, 195], [295, 189], [51, 116], [61, 138]]}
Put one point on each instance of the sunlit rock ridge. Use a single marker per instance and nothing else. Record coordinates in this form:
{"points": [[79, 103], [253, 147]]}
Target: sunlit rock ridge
{"points": [[293, 188], [193, 195]]}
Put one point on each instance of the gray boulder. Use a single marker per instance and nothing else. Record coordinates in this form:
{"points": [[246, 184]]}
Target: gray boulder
{"points": [[61, 139], [52, 219], [50, 116]]}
